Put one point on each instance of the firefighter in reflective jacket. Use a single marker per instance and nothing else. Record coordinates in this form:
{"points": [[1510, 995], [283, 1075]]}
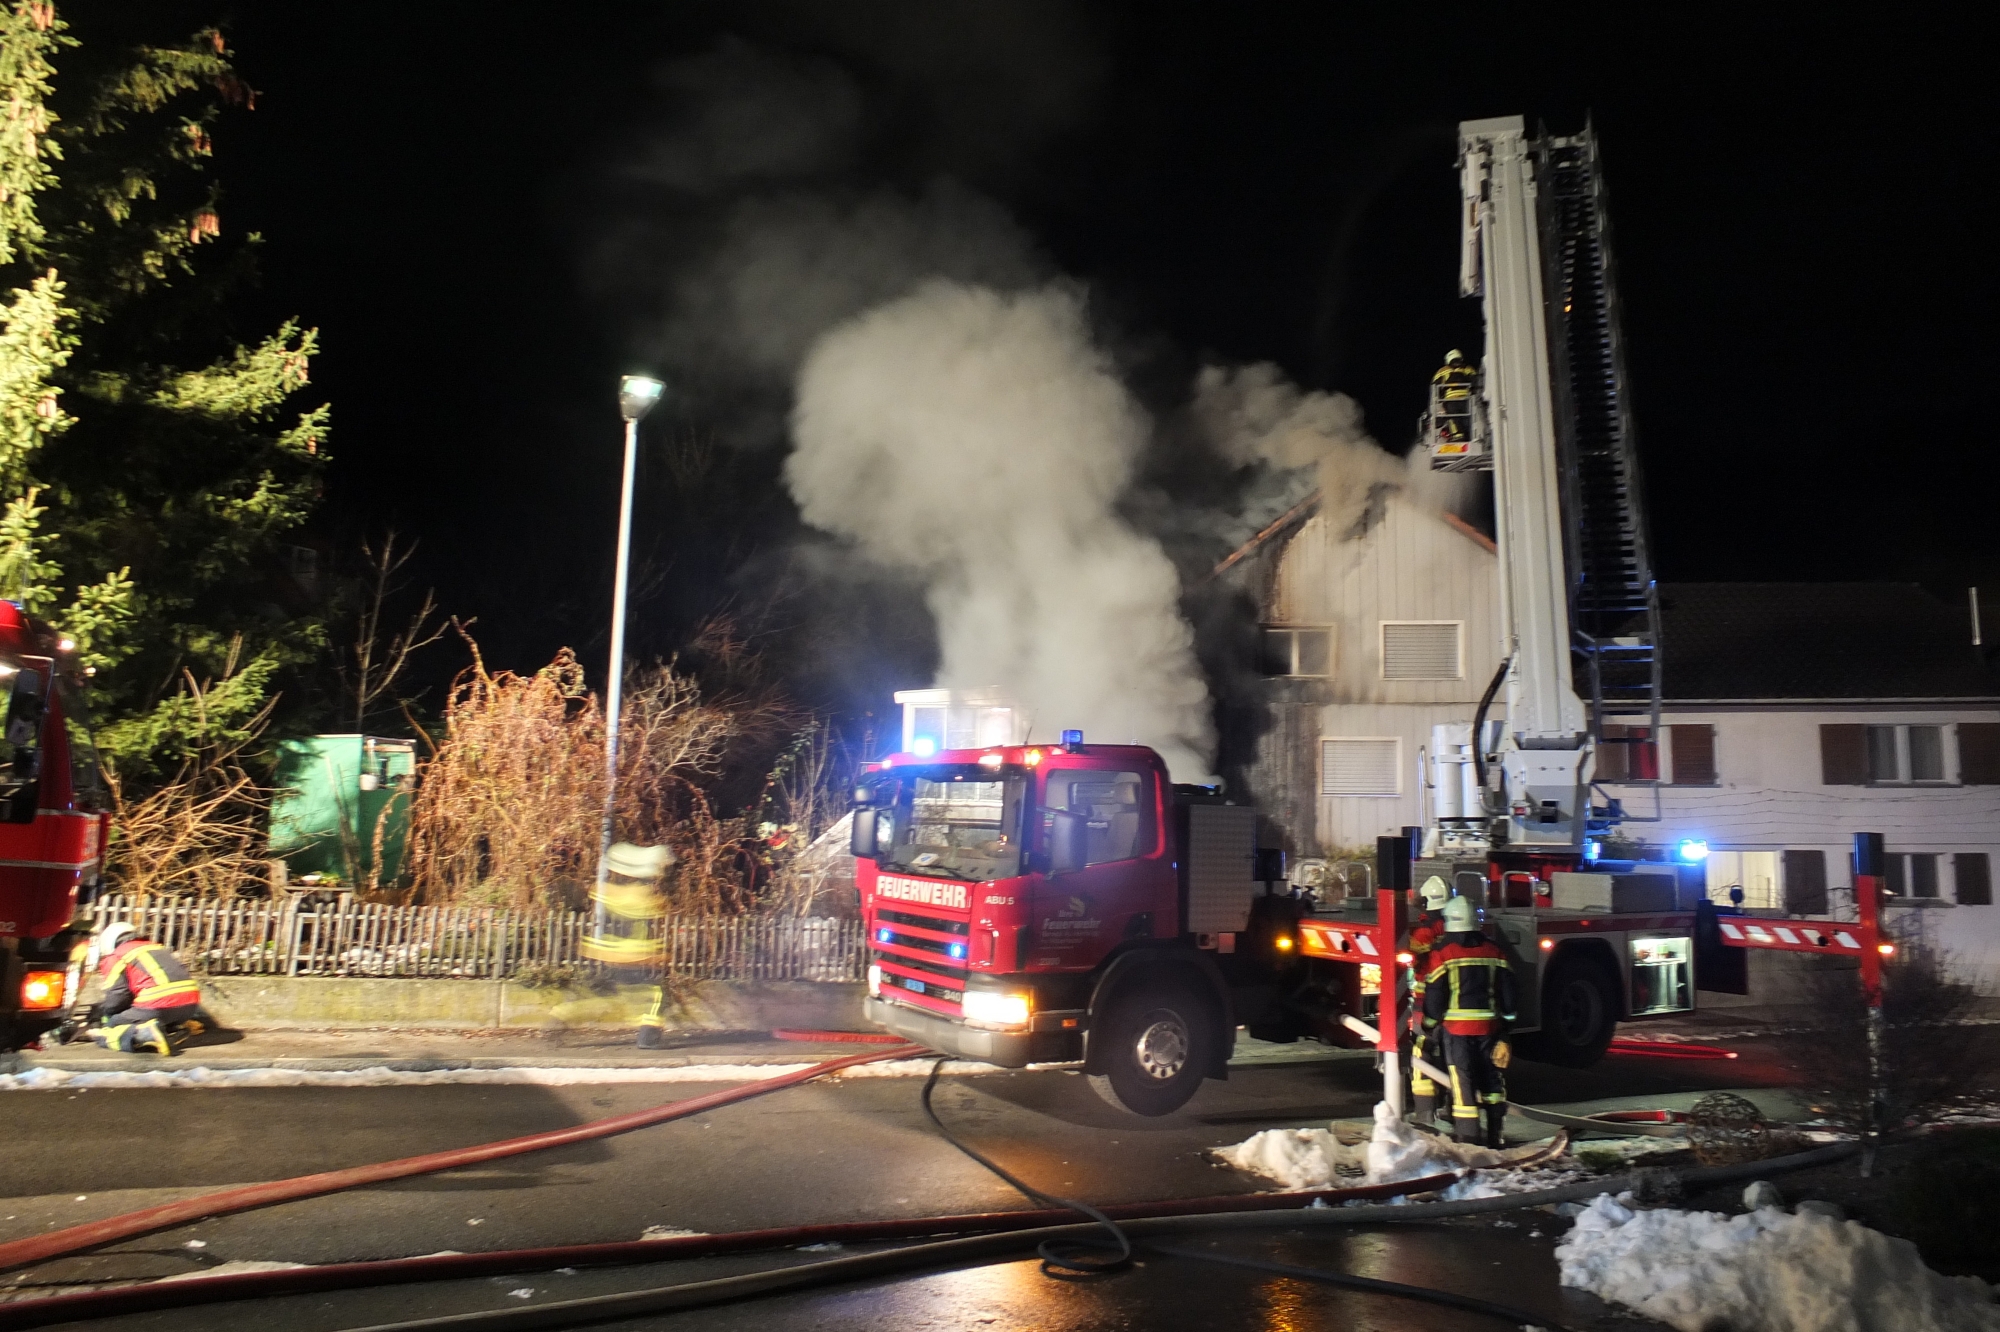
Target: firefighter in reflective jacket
{"points": [[1469, 995], [1451, 400], [148, 994], [1426, 935]]}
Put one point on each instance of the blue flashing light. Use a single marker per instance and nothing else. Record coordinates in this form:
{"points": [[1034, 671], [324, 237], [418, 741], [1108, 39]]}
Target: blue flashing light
{"points": [[923, 746], [1591, 851], [1693, 850], [1072, 739], [881, 936], [957, 950]]}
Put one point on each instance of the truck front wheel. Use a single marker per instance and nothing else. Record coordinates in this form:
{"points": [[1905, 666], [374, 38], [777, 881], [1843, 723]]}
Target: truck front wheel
{"points": [[1158, 1040]]}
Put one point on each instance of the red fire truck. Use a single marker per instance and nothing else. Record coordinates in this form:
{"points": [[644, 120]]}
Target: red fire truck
{"points": [[52, 826]]}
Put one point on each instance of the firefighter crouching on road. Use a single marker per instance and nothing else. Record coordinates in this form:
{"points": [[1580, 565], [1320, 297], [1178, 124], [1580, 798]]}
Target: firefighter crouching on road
{"points": [[1426, 935], [148, 994], [1469, 992], [627, 934]]}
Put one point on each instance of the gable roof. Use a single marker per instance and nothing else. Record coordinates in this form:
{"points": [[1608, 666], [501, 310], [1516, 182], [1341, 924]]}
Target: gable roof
{"points": [[1816, 641]]}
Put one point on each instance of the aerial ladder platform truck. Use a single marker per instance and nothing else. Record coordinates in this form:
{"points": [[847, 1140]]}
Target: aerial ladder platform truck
{"points": [[1070, 903]]}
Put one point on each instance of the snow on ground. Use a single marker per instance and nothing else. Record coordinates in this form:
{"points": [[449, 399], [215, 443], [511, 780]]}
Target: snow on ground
{"points": [[1315, 1159], [1768, 1269], [237, 1268], [196, 1075]]}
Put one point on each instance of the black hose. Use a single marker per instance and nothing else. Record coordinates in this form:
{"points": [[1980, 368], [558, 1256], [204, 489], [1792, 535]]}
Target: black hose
{"points": [[1479, 724], [1506, 1314], [1055, 1261]]}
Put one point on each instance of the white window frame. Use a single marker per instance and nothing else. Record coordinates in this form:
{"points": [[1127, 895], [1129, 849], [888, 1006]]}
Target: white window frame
{"points": [[1395, 766], [1382, 651], [1293, 631], [1947, 755]]}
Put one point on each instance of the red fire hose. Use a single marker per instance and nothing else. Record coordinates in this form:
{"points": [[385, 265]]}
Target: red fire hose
{"points": [[85, 1305], [38, 1248]]}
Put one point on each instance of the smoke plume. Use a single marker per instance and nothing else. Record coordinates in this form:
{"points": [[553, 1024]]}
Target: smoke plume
{"points": [[979, 440]]}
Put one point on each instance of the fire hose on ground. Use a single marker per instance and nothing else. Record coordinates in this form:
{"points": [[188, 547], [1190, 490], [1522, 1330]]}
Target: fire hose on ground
{"points": [[984, 1237]]}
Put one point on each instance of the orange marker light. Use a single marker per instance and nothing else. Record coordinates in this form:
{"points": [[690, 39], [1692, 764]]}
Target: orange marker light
{"points": [[1548, 945], [42, 989], [1034, 757], [1886, 950], [1284, 943], [1404, 959]]}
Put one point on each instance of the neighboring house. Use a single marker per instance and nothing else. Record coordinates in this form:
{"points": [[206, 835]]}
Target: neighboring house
{"points": [[1794, 716]]}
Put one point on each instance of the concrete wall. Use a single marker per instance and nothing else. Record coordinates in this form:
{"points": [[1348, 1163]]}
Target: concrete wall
{"points": [[276, 1002]]}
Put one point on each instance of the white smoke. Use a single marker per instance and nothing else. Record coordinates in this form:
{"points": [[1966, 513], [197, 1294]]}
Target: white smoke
{"points": [[1252, 414], [980, 441]]}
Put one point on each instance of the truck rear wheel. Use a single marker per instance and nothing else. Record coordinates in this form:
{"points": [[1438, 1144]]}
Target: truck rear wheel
{"points": [[1159, 1040], [1579, 1013]]}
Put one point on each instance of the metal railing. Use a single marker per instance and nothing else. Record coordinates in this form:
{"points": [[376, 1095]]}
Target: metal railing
{"points": [[289, 938]]}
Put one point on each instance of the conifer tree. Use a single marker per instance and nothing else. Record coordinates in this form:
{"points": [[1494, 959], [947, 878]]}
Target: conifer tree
{"points": [[151, 467]]}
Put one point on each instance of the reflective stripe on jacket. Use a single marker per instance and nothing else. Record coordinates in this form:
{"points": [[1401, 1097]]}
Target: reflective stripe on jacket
{"points": [[1469, 987], [153, 975]]}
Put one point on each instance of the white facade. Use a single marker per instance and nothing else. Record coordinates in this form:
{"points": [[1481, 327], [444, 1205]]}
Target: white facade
{"points": [[1769, 796]]}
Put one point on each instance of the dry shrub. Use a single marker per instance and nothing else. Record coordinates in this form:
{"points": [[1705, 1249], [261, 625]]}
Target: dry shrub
{"points": [[508, 808], [1931, 1047], [201, 833], [805, 830]]}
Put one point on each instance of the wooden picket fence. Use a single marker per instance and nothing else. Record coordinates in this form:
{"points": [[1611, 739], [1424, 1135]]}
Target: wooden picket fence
{"points": [[290, 938]]}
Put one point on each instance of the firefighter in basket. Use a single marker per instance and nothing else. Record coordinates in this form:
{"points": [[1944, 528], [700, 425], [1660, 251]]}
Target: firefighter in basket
{"points": [[150, 1000], [1469, 1009], [1451, 399], [1426, 934], [628, 934]]}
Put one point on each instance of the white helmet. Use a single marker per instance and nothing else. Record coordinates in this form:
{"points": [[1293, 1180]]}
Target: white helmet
{"points": [[117, 932], [1435, 893], [1459, 917]]}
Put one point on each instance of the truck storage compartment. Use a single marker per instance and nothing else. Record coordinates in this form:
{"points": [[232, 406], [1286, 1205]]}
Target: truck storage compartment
{"points": [[1217, 867], [1612, 892]]}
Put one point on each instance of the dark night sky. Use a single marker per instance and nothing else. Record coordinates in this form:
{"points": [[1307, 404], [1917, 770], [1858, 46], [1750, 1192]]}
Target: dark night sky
{"points": [[1808, 308]]}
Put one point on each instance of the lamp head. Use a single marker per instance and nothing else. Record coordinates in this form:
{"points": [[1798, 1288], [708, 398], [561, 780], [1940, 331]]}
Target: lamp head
{"points": [[637, 395]]}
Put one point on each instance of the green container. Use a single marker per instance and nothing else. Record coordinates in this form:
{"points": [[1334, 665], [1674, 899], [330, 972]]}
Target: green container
{"points": [[335, 792]]}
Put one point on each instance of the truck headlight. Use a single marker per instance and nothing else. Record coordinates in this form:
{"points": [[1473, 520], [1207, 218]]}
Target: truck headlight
{"points": [[875, 980], [996, 1010]]}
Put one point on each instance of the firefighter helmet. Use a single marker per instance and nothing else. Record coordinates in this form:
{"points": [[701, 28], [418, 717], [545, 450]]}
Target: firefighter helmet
{"points": [[1454, 357], [117, 932], [1434, 893], [1459, 917]]}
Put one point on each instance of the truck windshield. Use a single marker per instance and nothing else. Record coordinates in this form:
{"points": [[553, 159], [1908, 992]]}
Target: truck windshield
{"points": [[963, 822]]}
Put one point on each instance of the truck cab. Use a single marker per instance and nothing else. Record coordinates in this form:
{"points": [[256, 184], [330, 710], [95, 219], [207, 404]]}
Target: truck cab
{"points": [[52, 828]]}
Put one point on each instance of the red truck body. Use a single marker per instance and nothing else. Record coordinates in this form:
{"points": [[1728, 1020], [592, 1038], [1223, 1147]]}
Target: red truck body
{"points": [[52, 829]]}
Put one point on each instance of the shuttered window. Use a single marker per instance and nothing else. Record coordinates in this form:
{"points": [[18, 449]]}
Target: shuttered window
{"points": [[1979, 753], [1843, 755], [1972, 878], [1805, 883], [1422, 649], [1360, 767], [1628, 754], [1693, 754]]}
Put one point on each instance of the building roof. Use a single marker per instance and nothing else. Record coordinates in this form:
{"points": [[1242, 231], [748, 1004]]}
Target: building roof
{"points": [[1817, 641]]}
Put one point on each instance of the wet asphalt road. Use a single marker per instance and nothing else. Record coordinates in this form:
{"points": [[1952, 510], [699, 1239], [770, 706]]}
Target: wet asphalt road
{"points": [[847, 1149]]}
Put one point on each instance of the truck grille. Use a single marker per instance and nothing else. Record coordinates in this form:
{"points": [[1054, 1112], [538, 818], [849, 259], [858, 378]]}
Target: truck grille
{"points": [[921, 956]]}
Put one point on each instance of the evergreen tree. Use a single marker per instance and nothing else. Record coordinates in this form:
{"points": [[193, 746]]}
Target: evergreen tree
{"points": [[150, 466]]}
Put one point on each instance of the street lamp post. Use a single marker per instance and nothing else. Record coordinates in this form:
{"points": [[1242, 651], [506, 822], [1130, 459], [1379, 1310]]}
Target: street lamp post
{"points": [[637, 395]]}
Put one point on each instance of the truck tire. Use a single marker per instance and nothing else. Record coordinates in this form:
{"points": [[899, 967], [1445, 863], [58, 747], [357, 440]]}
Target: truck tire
{"points": [[1159, 1038], [1579, 1013]]}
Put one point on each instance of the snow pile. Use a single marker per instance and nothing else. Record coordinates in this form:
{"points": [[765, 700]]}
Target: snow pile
{"points": [[1768, 1269], [195, 1075], [1315, 1159]]}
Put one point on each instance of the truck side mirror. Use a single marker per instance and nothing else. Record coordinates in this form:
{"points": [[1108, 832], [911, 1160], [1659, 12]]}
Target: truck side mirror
{"points": [[866, 837], [21, 736], [1067, 846]]}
